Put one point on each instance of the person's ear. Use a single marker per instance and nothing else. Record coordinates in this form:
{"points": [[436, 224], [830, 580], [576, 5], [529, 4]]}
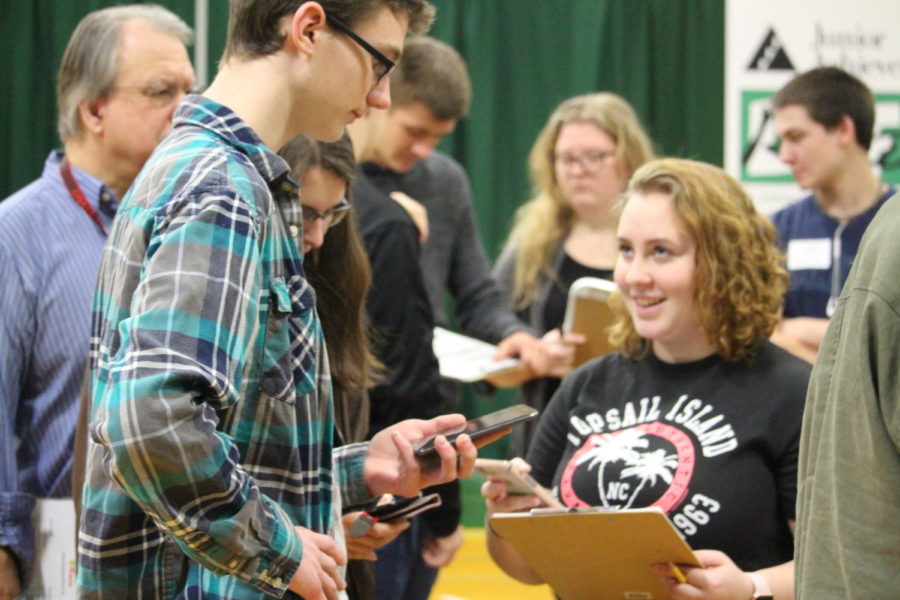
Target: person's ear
{"points": [[92, 114], [304, 27], [847, 130]]}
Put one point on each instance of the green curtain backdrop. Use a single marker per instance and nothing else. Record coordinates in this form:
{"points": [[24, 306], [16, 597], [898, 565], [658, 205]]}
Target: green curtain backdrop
{"points": [[526, 56], [33, 36], [666, 57]]}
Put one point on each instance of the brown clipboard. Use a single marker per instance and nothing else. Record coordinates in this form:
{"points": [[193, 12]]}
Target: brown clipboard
{"points": [[588, 312], [595, 554]]}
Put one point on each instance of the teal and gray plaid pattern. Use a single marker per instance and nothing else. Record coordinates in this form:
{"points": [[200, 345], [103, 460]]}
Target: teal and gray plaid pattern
{"points": [[211, 418]]}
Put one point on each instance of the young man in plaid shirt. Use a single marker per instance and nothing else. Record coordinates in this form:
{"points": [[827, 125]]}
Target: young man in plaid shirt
{"points": [[210, 468]]}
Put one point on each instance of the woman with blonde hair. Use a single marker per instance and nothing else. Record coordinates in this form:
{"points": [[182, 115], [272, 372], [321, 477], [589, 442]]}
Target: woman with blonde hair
{"points": [[698, 413], [579, 165]]}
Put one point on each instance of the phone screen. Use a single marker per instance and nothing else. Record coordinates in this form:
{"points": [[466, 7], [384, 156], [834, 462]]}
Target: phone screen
{"points": [[481, 426]]}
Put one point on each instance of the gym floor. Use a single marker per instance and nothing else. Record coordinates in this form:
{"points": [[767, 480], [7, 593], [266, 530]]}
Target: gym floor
{"points": [[473, 576]]}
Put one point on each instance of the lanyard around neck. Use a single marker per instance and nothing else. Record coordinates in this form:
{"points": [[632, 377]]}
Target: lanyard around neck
{"points": [[77, 195]]}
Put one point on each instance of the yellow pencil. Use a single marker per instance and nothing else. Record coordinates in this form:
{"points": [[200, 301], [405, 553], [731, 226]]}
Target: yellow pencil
{"points": [[676, 572]]}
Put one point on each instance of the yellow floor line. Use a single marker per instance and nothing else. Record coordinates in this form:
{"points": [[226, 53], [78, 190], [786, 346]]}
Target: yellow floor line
{"points": [[473, 576]]}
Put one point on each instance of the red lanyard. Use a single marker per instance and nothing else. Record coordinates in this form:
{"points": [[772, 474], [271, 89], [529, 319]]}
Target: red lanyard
{"points": [[78, 195]]}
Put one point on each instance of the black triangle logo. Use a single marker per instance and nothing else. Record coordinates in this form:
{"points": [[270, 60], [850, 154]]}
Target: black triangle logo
{"points": [[771, 55]]}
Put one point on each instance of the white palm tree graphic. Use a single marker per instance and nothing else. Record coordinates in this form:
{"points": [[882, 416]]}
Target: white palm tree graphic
{"points": [[613, 448], [648, 467]]}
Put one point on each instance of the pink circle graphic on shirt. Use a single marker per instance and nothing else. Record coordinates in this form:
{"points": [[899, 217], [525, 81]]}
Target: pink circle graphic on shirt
{"points": [[626, 450]]}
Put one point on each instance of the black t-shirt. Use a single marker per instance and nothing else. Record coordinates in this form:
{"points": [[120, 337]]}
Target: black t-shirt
{"points": [[558, 297], [713, 444]]}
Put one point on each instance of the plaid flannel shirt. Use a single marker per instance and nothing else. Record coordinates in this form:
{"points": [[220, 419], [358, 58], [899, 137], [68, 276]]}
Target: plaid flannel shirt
{"points": [[211, 428]]}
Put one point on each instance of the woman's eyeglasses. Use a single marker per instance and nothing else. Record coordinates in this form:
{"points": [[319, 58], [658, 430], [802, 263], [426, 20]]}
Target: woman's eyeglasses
{"points": [[330, 217]]}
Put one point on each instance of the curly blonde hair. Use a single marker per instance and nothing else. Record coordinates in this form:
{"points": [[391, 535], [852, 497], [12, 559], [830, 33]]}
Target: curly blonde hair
{"points": [[544, 220], [740, 275]]}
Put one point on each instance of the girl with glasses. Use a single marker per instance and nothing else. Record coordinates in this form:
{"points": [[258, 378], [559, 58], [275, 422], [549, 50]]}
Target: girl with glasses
{"points": [[337, 267], [579, 166]]}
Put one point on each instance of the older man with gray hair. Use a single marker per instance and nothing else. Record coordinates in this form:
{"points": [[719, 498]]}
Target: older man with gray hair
{"points": [[123, 73]]}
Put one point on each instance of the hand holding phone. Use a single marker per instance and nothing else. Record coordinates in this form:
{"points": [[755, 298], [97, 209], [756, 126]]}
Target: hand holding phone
{"points": [[398, 508], [519, 482], [479, 428], [391, 467]]}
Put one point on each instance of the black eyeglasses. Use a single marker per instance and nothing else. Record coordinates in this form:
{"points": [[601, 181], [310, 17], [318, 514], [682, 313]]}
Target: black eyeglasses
{"points": [[330, 217], [386, 65]]}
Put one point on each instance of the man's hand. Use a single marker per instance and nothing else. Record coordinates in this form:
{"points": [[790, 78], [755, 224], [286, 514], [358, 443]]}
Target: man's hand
{"points": [[417, 213], [532, 354], [10, 586], [391, 467], [318, 577], [437, 552], [363, 547]]}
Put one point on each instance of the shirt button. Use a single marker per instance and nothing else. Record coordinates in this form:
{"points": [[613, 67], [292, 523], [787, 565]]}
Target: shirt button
{"points": [[295, 231]]}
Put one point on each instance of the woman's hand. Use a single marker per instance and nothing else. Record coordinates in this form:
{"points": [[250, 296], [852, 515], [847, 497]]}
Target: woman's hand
{"points": [[379, 534], [717, 579], [498, 499], [560, 351]]}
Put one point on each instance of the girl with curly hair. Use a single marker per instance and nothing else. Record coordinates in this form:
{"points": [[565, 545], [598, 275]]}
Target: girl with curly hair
{"points": [[698, 413]]}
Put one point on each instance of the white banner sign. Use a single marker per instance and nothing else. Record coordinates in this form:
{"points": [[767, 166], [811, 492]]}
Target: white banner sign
{"points": [[768, 42]]}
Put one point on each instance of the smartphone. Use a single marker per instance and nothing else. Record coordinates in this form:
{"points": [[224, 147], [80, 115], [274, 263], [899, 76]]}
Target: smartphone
{"points": [[519, 482], [480, 427], [588, 312], [404, 508], [398, 508]]}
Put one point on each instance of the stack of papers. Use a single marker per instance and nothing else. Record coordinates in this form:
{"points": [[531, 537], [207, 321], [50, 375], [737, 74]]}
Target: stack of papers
{"points": [[466, 359]]}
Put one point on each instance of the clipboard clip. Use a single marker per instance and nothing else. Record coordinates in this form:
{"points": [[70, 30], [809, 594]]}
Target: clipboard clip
{"points": [[572, 509]]}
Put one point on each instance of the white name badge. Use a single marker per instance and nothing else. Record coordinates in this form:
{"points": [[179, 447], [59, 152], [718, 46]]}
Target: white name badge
{"points": [[809, 254]]}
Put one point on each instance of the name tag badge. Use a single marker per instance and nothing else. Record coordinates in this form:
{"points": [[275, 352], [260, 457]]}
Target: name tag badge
{"points": [[809, 254]]}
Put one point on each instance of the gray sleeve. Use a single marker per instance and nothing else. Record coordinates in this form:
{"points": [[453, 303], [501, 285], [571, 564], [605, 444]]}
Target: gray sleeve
{"points": [[481, 308]]}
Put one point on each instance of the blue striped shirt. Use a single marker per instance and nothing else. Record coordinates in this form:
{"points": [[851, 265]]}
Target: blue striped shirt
{"points": [[211, 432], [49, 253]]}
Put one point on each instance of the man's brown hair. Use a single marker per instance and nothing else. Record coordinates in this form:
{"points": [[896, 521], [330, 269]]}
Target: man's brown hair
{"points": [[254, 25], [829, 93], [433, 73]]}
